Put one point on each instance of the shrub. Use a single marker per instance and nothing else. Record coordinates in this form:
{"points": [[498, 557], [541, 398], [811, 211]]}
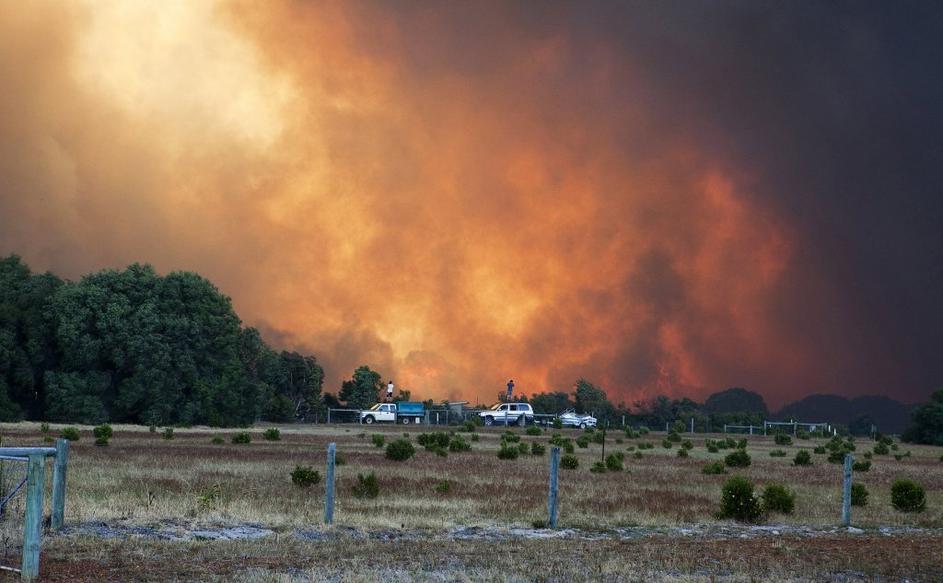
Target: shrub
{"points": [[510, 437], [598, 468], [868, 455], [674, 437], [458, 444], [687, 444], [643, 430], [777, 498], [802, 434], [305, 476], [820, 450], [443, 487], [70, 433], [378, 440], [738, 502], [777, 453], [803, 458], [273, 434], [859, 494], [638, 455], [537, 449], [737, 459], [474, 437], [217, 440], [400, 450], [712, 448], [598, 437], [152, 429], [437, 440], [614, 462], [522, 448], [881, 449], [103, 431], [569, 462], [714, 468], [242, 437], [742, 444], [101, 441], [908, 496], [682, 452], [861, 466], [508, 452], [44, 427], [666, 443], [557, 424], [168, 433], [782, 439], [631, 433], [339, 460], [836, 457], [533, 430], [439, 451], [367, 486], [582, 441]]}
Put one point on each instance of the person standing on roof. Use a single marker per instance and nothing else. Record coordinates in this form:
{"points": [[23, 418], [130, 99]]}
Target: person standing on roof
{"points": [[389, 391], [510, 389]]}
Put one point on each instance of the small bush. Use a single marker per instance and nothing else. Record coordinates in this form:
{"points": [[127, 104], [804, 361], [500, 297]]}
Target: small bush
{"points": [[777, 453], [339, 460], [272, 434], [682, 452], [712, 448], [101, 441], [400, 450], [861, 466], [241, 438], [522, 448], [836, 457], [667, 443], [614, 462], [674, 437], [738, 501], [508, 452], [44, 427], [304, 476], [802, 434], [378, 440], [367, 486], [803, 458], [820, 450], [443, 487], [537, 449], [742, 444], [70, 433], [777, 498], [638, 455], [782, 439], [437, 440], [103, 432], [908, 496], [868, 455], [557, 424], [598, 437], [737, 459], [458, 444], [687, 444], [569, 462], [598, 468], [510, 437], [859, 494], [533, 430], [152, 429], [217, 440], [474, 437], [582, 441], [168, 433], [714, 468], [631, 433]]}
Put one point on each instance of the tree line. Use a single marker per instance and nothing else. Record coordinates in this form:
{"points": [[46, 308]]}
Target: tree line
{"points": [[131, 346]]}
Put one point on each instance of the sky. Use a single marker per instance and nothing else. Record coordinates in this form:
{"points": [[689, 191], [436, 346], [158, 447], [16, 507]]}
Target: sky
{"points": [[661, 197]]}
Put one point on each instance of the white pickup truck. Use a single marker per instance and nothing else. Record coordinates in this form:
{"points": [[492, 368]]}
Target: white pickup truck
{"points": [[404, 412]]}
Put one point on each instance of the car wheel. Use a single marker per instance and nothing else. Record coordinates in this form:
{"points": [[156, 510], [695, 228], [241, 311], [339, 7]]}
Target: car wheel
{"points": [[368, 419], [582, 425], [489, 421], [405, 420]]}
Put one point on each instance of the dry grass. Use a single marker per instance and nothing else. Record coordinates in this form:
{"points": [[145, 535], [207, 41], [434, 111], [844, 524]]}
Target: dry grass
{"points": [[141, 477]]}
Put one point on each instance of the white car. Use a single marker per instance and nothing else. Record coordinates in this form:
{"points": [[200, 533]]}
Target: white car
{"points": [[508, 413], [571, 418]]}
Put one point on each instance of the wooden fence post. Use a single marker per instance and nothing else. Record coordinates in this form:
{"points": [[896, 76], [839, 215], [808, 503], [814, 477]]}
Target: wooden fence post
{"points": [[32, 530], [329, 485], [846, 491], [58, 483], [552, 493]]}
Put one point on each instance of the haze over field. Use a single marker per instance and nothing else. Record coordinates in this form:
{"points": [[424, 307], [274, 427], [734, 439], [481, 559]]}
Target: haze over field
{"points": [[665, 198]]}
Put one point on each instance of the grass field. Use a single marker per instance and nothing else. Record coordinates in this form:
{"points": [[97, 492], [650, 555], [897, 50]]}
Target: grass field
{"points": [[141, 478]]}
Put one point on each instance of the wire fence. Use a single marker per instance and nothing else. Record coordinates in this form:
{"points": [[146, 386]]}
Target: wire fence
{"points": [[12, 511]]}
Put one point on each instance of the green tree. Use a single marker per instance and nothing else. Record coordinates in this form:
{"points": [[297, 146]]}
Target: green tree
{"points": [[551, 403], [927, 424], [360, 392], [590, 399]]}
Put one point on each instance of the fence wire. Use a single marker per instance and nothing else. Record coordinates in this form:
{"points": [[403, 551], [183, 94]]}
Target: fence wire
{"points": [[12, 511]]}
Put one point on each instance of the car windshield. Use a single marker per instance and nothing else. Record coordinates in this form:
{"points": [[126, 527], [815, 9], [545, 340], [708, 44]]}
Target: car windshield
{"points": [[375, 407], [496, 406]]}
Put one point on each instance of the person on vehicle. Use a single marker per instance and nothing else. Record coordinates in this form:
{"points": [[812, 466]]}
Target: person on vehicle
{"points": [[389, 391], [510, 389]]}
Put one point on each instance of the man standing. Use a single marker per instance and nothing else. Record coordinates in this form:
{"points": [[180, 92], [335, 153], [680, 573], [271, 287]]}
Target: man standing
{"points": [[389, 391], [510, 390]]}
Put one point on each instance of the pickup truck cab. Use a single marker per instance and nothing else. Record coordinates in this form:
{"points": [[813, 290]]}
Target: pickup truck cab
{"points": [[403, 412], [508, 413]]}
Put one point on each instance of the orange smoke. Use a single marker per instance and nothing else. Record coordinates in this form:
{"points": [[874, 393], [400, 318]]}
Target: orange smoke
{"points": [[366, 187]]}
